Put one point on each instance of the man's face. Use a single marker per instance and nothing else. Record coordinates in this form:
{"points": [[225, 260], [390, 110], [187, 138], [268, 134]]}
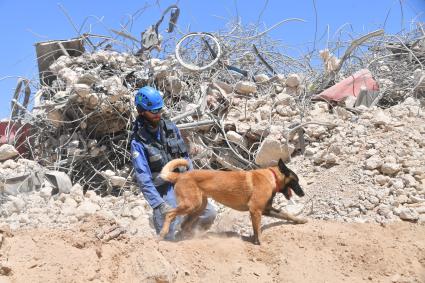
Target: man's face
{"points": [[153, 118]]}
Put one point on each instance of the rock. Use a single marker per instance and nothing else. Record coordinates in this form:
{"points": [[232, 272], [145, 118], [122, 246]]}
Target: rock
{"points": [[114, 87], [106, 214], [261, 78], [316, 132], [88, 79], [10, 163], [373, 162], [293, 80], [18, 204], [107, 173], [329, 158], [92, 100], [68, 75], [270, 151], [245, 87], [284, 99], [82, 90], [7, 151], [384, 210], [77, 193], [125, 212], [242, 128], [236, 138], [397, 184], [265, 112], [46, 192], [380, 118], [86, 208], [409, 180], [136, 212], [381, 179], [390, 168], [343, 113], [373, 200], [310, 151], [261, 129], [408, 214], [416, 199], [70, 202], [371, 152], [90, 194], [118, 181]]}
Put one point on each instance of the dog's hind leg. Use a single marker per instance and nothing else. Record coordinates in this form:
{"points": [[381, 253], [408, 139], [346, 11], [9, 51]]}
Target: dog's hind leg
{"points": [[181, 209], [169, 217], [277, 213], [184, 207], [256, 225], [191, 219]]}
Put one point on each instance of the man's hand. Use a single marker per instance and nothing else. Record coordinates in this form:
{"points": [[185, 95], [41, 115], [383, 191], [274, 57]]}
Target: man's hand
{"points": [[164, 208]]}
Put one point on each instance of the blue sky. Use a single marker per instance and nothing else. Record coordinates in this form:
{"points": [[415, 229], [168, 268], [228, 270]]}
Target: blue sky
{"points": [[24, 23]]}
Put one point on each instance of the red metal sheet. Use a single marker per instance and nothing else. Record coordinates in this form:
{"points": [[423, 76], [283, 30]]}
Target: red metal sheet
{"points": [[350, 86]]}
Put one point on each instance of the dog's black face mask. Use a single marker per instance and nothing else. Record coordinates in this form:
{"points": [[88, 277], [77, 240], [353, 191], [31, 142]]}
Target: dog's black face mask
{"points": [[292, 184]]}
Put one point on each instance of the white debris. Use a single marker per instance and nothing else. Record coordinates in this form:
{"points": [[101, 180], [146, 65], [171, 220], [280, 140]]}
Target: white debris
{"points": [[271, 151], [7, 151], [236, 138], [245, 87], [293, 80], [408, 214], [261, 78], [118, 181]]}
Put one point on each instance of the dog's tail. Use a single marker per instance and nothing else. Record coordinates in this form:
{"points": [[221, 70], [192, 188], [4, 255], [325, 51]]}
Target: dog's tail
{"points": [[167, 172]]}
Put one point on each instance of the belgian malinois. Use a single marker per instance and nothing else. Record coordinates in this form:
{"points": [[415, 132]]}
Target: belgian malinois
{"points": [[252, 190]]}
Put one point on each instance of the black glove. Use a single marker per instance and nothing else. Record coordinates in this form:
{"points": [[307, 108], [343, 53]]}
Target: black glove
{"points": [[164, 208]]}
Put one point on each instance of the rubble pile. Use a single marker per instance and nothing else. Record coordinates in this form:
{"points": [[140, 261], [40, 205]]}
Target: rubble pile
{"points": [[32, 196], [369, 167], [376, 162], [245, 111]]}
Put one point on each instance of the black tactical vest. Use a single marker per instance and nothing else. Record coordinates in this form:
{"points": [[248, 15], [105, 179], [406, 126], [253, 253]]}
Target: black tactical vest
{"points": [[159, 153]]}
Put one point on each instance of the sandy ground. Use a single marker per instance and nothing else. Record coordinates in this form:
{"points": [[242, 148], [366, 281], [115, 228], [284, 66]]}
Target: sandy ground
{"points": [[320, 251]]}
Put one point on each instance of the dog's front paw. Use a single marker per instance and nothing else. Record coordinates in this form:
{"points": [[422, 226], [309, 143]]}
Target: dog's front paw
{"points": [[162, 235]]}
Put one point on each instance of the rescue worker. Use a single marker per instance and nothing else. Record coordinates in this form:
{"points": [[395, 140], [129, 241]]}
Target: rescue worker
{"points": [[156, 141]]}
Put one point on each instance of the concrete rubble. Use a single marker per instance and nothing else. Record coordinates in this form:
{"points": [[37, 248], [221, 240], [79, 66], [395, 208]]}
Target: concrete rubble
{"points": [[378, 175], [80, 156]]}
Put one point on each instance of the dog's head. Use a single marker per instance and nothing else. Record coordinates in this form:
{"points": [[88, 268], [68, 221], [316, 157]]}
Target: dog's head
{"points": [[290, 181]]}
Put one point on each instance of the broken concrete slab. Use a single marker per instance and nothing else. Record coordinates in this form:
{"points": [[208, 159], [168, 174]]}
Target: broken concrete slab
{"points": [[271, 150], [60, 181], [245, 87], [7, 151], [293, 80]]}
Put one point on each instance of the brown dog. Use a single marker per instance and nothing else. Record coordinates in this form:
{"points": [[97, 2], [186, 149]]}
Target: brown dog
{"points": [[252, 190]]}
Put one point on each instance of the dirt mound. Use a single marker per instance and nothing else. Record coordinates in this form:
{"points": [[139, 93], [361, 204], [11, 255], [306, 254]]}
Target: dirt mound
{"points": [[316, 252]]}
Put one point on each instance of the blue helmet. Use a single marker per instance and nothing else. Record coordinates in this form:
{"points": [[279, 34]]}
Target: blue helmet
{"points": [[148, 98]]}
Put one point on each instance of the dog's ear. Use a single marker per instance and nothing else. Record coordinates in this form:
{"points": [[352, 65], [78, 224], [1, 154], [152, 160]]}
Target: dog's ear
{"points": [[282, 167]]}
